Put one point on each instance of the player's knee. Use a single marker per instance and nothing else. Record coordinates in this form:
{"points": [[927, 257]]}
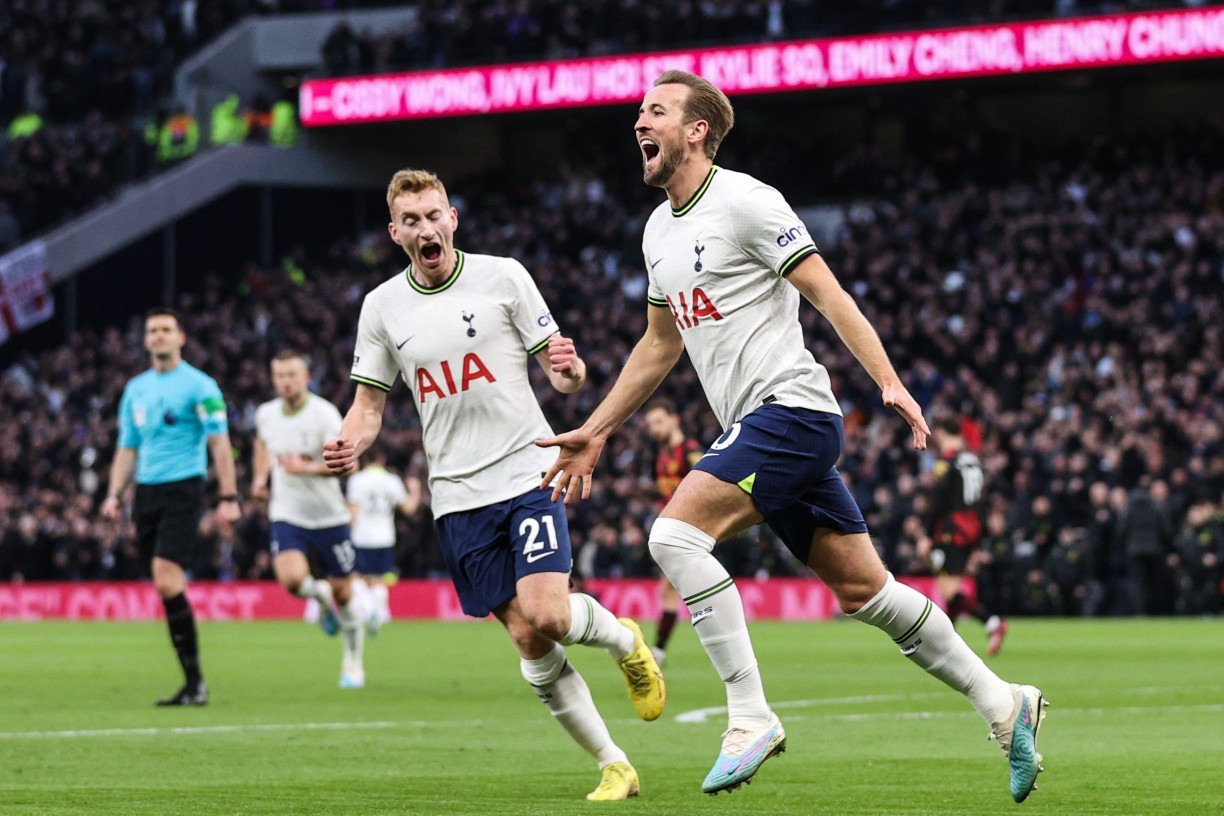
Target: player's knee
{"points": [[672, 540], [853, 595], [529, 643], [552, 622], [169, 586]]}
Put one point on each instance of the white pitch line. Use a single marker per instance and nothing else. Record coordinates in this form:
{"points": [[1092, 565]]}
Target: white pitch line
{"points": [[205, 729], [695, 716]]}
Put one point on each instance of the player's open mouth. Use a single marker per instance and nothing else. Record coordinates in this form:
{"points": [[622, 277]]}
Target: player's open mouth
{"points": [[650, 150], [431, 252]]}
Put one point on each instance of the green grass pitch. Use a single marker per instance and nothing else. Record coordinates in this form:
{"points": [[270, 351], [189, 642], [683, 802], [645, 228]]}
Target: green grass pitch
{"points": [[447, 726]]}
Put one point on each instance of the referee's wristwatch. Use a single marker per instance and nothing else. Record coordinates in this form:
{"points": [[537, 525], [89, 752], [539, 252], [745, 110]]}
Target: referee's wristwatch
{"points": [[228, 497]]}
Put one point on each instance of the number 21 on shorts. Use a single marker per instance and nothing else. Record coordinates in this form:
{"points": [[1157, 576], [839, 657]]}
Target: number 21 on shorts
{"points": [[536, 547]]}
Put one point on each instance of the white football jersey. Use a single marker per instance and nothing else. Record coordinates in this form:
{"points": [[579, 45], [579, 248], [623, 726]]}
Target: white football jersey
{"points": [[303, 500], [375, 493], [463, 348], [719, 263]]}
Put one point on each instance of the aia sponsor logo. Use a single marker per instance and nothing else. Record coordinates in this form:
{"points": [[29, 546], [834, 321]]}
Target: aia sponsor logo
{"points": [[450, 381], [689, 311]]}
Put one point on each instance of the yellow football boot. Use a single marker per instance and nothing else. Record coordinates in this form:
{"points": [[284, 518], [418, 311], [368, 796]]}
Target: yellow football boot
{"points": [[619, 782], [642, 675]]}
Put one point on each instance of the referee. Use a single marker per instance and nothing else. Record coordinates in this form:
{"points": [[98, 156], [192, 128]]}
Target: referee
{"points": [[166, 415]]}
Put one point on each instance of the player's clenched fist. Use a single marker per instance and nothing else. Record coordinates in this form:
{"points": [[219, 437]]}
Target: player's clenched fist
{"points": [[340, 456], [563, 357]]}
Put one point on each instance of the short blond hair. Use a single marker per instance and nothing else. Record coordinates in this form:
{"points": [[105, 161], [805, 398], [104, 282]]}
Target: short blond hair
{"points": [[704, 102], [409, 180]]}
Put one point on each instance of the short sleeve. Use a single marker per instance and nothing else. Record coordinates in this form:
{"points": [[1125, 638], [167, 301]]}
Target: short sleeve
{"points": [[769, 231], [129, 434], [532, 318], [332, 421], [397, 487], [654, 293], [261, 414], [373, 363], [210, 407]]}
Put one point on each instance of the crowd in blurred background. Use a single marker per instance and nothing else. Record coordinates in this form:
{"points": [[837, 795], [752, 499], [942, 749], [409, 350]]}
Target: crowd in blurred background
{"points": [[86, 100], [1069, 314], [86, 86]]}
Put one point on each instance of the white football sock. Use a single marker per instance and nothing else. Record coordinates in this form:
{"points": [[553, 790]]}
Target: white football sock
{"points": [[926, 636], [316, 588], [592, 625], [560, 687], [382, 600], [683, 552], [352, 622]]}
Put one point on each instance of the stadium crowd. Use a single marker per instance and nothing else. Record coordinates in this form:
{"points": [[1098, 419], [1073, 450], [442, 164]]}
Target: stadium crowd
{"points": [[79, 82], [86, 96], [1070, 313]]}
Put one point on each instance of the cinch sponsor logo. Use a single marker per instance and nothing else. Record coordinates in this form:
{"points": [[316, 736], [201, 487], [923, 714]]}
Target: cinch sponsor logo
{"points": [[702, 306], [788, 236], [472, 369]]}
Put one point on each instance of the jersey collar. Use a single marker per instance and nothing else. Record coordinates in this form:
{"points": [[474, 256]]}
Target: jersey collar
{"points": [[692, 202], [284, 406], [441, 287]]}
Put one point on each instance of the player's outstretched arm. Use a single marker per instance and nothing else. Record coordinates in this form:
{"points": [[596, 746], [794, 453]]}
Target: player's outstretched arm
{"points": [[121, 470], [816, 282], [361, 426], [566, 370], [651, 359]]}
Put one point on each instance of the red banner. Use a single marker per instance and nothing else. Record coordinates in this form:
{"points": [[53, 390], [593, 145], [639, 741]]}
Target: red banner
{"points": [[793, 599], [949, 53], [25, 289]]}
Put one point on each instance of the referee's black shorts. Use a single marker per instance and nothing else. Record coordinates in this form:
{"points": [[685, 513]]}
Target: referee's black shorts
{"points": [[167, 520]]}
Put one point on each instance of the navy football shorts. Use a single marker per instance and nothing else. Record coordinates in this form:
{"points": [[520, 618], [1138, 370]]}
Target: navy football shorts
{"points": [[330, 546], [784, 459], [487, 550], [375, 560]]}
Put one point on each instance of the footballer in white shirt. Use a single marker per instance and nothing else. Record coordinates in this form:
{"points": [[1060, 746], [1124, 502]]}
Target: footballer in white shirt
{"points": [[461, 330], [727, 260], [307, 508], [374, 494]]}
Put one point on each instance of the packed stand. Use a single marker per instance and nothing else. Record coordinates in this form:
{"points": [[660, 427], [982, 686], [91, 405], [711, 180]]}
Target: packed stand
{"points": [[1072, 319], [471, 32], [81, 82]]}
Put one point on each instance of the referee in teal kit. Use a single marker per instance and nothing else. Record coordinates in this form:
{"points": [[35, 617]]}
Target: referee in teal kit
{"points": [[167, 416]]}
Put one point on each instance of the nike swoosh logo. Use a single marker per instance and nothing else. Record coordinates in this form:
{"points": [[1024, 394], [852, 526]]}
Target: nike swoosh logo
{"points": [[399, 346], [656, 263], [534, 557], [708, 454]]}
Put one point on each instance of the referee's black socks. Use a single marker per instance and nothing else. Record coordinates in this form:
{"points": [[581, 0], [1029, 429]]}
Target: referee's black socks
{"points": [[181, 621]]}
